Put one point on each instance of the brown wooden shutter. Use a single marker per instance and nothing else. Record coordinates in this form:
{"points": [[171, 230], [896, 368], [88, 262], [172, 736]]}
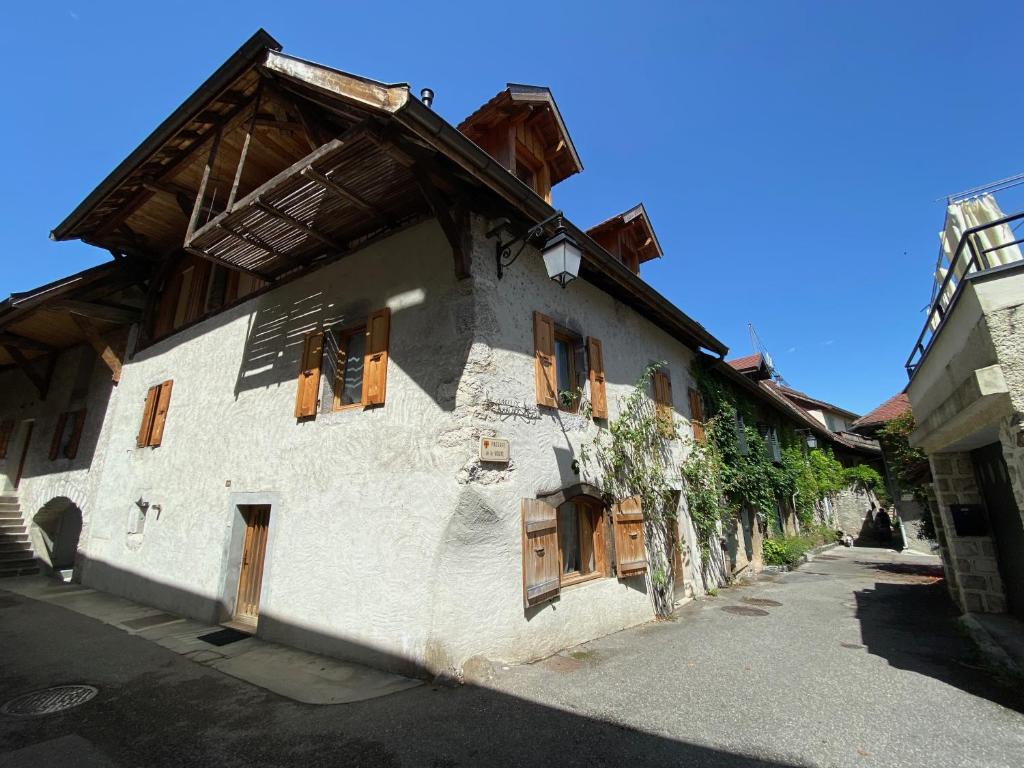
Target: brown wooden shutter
{"points": [[544, 360], [6, 430], [231, 292], [595, 361], [541, 578], [58, 433], [696, 415], [147, 416], [375, 367], [163, 402], [308, 389], [630, 553], [663, 403], [200, 284], [76, 433]]}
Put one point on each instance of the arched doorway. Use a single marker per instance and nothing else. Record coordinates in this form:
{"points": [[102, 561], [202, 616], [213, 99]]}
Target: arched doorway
{"points": [[56, 528]]}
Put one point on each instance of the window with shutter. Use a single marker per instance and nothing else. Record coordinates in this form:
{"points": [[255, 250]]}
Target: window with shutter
{"points": [[58, 436], [307, 390], [77, 424], [375, 378], [580, 540], [541, 577], [350, 369], [696, 415], [598, 395], [154, 415], [6, 430], [663, 403], [544, 360], [630, 553], [741, 436]]}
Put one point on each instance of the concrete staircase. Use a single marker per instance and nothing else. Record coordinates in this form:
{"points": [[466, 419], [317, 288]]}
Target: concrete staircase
{"points": [[16, 555]]}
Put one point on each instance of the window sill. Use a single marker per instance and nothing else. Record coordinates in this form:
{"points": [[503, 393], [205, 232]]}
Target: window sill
{"points": [[576, 581]]}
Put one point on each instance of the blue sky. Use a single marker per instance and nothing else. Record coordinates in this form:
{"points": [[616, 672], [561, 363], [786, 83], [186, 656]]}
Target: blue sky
{"points": [[790, 153]]}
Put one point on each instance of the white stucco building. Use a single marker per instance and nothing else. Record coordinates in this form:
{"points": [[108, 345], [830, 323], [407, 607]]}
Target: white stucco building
{"points": [[311, 340]]}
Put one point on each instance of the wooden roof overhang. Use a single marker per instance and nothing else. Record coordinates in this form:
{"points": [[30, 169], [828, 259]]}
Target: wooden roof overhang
{"points": [[142, 205], [536, 104], [90, 307], [634, 224]]}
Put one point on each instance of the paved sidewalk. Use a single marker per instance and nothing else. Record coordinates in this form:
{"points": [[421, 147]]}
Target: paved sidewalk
{"points": [[853, 660], [295, 674]]}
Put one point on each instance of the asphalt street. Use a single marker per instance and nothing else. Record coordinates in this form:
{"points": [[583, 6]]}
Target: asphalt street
{"points": [[854, 660]]}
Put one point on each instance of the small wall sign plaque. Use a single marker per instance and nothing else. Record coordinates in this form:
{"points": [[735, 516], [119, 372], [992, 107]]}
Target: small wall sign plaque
{"points": [[495, 449]]}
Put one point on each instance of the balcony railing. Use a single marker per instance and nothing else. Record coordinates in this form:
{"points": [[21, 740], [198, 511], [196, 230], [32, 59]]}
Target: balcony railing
{"points": [[977, 260]]}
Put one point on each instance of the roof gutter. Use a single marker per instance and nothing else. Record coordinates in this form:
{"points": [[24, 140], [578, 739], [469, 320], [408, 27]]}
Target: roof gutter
{"points": [[248, 54], [424, 121]]}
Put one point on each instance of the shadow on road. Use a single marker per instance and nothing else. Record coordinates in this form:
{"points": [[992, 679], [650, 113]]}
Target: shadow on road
{"points": [[910, 621]]}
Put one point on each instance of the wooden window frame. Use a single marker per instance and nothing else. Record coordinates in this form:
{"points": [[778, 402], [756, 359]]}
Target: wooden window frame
{"points": [[342, 336], [591, 540], [531, 162], [576, 348]]}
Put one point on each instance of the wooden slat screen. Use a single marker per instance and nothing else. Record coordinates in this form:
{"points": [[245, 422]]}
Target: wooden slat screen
{"points": [[544, 360], [541, 578], [375, 370], [598, 395], [630, 552], [308, 390]]}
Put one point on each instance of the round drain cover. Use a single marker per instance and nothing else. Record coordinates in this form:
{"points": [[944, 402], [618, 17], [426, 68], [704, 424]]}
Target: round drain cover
{"points": [[742, 610], [48, 701]]}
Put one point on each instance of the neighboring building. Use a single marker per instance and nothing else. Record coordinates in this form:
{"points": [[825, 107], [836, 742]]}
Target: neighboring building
{"points": [[327, 331], [967, 391], [912, 511], [852, 509]]}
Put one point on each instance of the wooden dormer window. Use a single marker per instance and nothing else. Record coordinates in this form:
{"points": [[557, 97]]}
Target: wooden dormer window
{"points": [[522, 129], [629, 237]]}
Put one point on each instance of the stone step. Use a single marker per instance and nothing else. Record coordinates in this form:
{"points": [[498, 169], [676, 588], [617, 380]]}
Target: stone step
{"points": [[10, 514], [18, 554], [14, 546], [11, 530], [13, 538], [8, 499], [23, 568]]}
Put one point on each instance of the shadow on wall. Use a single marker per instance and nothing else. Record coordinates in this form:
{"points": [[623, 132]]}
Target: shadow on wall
{"points": [[424, 726], [911, 624]]}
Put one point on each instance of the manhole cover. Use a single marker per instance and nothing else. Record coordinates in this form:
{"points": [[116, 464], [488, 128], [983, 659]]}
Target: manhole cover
{"points": [[762, 601], [48, 701], [742, 610]]}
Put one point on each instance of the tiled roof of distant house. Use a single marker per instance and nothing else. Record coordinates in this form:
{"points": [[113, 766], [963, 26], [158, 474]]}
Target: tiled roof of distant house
{"points": [[895, 406], [798, 395], [747, 364]]}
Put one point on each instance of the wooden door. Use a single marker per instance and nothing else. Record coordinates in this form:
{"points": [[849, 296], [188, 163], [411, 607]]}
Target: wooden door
{"points": [[250, 578]]}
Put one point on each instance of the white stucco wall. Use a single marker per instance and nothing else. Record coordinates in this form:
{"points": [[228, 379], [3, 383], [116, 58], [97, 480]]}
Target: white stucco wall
{"points": [[57, 484]]}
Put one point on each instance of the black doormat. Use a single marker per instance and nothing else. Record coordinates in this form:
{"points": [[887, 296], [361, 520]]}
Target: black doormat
{"points": [[224, 637]]}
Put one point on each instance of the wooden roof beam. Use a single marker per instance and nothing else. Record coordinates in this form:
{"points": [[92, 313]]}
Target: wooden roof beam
{"points": [[23, 342], [455, 227], [107, 312], [39, 380], [102, 347]]}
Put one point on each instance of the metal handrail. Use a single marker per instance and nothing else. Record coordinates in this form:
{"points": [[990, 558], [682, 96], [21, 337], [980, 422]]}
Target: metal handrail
{"points": [[979, 262]]}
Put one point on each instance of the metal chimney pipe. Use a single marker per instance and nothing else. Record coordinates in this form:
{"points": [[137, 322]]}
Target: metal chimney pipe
{"points": [[427, 96]]}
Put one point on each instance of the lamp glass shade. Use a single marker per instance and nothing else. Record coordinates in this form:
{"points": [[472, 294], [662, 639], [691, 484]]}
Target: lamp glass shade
{"points": [[812, 441], [562, 259]]}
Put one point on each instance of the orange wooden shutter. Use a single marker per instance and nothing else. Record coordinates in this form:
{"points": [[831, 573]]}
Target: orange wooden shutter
{"points": [[6, 430], [147, 416], [630, 553], [541, 578], [76, 433], [308, 389], [696, 415], [375, 368], [663, 403], [598, 397], [544, 360], [163, 401], [58, 433]]}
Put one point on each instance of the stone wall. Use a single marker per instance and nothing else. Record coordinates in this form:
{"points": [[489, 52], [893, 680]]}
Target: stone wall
{"points": [[978, 587]]}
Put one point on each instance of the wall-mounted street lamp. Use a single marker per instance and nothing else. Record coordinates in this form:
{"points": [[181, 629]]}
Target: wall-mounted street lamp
{"points": [[562, 254], [809, 437]]}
